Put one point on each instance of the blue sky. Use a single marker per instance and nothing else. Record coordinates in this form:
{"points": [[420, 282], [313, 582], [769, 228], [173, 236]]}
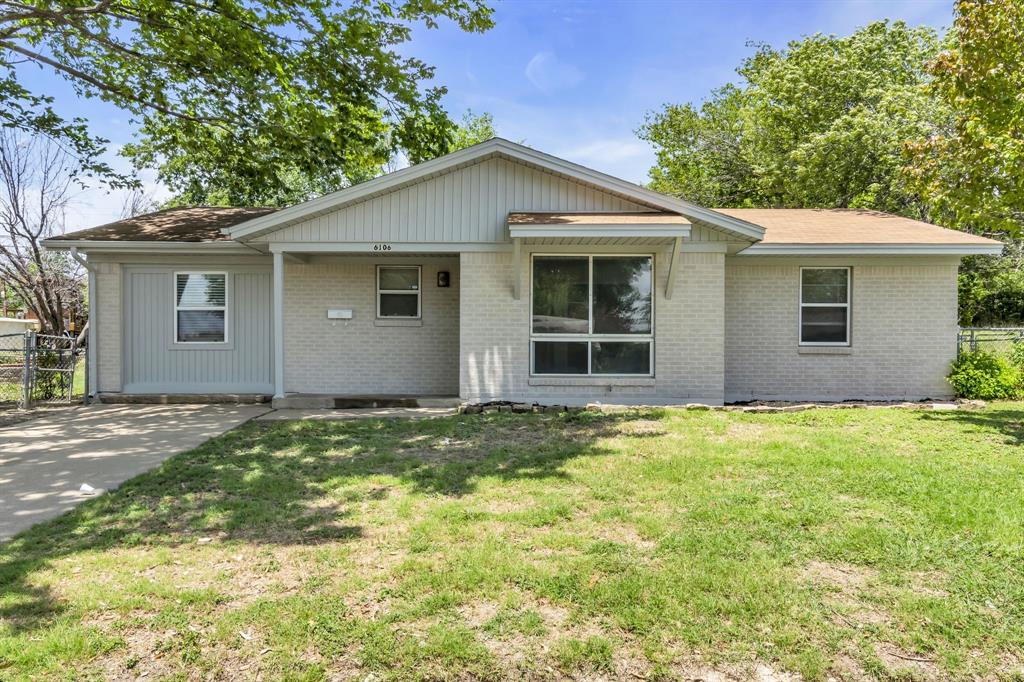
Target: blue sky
{"points": [[575, 78]]}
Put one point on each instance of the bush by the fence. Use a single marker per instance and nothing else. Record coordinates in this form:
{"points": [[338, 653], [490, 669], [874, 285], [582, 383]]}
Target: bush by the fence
{"points": [[984, 375]]}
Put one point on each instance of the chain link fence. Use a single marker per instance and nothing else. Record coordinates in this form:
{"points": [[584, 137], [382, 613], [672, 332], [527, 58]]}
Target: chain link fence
{"points": [[37, 368], [999, 340], [13, 356]]}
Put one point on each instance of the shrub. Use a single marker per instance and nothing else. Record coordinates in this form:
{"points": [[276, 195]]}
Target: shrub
{"points": [[984, 375], [1017, 357]]}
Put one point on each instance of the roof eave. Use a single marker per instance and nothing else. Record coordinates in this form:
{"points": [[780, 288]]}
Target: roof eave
{"points": [[585, 231], [262, 225], [872, 250], [148, 247]]}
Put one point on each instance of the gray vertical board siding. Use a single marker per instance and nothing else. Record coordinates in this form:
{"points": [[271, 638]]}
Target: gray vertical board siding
{"points": [[153, 363], [703, 232], [469, 204]]}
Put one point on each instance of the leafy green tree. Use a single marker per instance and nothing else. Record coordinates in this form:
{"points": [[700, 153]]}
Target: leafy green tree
{"points": [[220, 188], [472, 129], [239, 95], [973, 169], [701, 152], [821, 123]]}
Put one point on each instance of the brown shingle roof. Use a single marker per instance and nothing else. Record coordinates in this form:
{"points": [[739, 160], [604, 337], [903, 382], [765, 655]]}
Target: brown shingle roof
{"points": [[781, 225], [623, 218], [183, 224], [847, 226]]}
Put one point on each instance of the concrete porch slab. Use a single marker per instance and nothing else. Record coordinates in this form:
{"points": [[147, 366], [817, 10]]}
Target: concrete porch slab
{"points": [[339, 401], [363, 413]]}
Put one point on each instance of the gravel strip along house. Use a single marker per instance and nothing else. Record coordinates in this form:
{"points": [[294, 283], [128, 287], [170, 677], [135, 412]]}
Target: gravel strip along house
{"points": [[499, 272]]}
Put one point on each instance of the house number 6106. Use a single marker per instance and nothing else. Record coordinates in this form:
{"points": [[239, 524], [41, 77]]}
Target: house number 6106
{"points": [[382, 247]]}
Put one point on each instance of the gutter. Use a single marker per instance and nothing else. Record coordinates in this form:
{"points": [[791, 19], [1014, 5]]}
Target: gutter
{"points": [[90, 352], [761, 249], [220, 247]]}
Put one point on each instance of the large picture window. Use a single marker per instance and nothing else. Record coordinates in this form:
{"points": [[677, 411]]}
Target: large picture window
{"points": [[824, 306], [200, 307], [398, 291], [592, 315]]}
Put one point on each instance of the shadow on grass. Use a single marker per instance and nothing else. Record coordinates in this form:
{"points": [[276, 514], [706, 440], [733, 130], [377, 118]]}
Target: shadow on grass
{"points": [[287, 483], [1004, 420]]}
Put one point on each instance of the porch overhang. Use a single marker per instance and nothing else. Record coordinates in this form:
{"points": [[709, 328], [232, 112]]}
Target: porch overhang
{"points": [[645, 229], [640, 226]]}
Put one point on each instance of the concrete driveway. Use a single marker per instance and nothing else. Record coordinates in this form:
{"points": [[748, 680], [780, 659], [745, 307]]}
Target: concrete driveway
{"points": [[45, 461]]}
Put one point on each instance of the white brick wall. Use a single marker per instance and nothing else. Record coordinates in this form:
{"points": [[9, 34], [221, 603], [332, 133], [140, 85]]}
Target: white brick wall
{"points": [[689, 353], [903, 330], [108, 326], [357, 356], [729, 332]]}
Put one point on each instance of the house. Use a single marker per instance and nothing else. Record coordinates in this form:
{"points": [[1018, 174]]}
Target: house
{"points": [[502, 273]]}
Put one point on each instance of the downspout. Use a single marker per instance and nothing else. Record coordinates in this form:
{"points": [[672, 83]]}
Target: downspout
{"points": [[91, 384]]}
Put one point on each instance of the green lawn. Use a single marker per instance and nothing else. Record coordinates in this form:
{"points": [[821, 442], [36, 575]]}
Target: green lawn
{"points": [[647, 545]]}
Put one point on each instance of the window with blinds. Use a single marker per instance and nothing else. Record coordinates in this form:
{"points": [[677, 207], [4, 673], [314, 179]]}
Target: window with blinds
{"points": [[200, 307]]}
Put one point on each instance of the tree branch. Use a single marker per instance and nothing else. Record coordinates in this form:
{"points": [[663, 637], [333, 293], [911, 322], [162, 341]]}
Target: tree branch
{"points": [[108, 88]]}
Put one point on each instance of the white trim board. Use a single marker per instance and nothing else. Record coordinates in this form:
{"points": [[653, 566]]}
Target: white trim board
{"points": [[386, 248], [493, 147], [580, 231], [872, 250]]}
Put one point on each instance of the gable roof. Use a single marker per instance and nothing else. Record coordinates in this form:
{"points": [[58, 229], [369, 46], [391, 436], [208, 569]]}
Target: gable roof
{"points": [[190, 224], [493, 147], [808, 230]]}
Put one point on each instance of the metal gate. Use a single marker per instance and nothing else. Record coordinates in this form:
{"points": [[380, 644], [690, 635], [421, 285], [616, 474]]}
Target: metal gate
{"points": [[13, 369], [37, 368]]}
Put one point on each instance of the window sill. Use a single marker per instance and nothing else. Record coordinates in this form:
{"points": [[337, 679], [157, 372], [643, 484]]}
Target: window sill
{"points": [[824, 350], [230, 345], [590, 381], [385, 322]]}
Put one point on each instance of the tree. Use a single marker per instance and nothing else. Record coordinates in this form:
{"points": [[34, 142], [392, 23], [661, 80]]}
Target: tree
{"points": [[295, 186], [36, 184], [472, 129], [821, 123], [138, 201], [701, 153], [973, 169], [239, 95]]}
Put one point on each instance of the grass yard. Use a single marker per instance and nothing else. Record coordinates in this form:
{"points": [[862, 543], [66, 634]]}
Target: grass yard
{"points": [[648, 545]]}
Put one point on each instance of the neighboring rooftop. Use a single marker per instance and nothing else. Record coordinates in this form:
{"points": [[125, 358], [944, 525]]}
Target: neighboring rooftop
{"points": [[183, 224], [623, 218], [847, 226]]}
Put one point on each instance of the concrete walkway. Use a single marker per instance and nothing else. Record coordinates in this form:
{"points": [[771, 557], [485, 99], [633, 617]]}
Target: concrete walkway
{"points": [[44, 462]]}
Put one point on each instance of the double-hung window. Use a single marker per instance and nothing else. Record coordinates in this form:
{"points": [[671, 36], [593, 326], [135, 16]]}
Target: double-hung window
{"points": [[398, 291], [825, 306], [592, 315], [200, 307]]}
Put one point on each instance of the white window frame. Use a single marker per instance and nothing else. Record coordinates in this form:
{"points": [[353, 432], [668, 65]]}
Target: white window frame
{"points": [[848, 305], [405, 292], [227, 303], [590, 338]]}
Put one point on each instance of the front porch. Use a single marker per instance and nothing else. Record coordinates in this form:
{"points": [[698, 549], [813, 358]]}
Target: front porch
{"points": [[356, 329]]}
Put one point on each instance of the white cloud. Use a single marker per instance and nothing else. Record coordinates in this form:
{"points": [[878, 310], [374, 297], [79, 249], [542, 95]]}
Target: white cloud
{"points": [[622, 157], [609, 151], [549, 74]]}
